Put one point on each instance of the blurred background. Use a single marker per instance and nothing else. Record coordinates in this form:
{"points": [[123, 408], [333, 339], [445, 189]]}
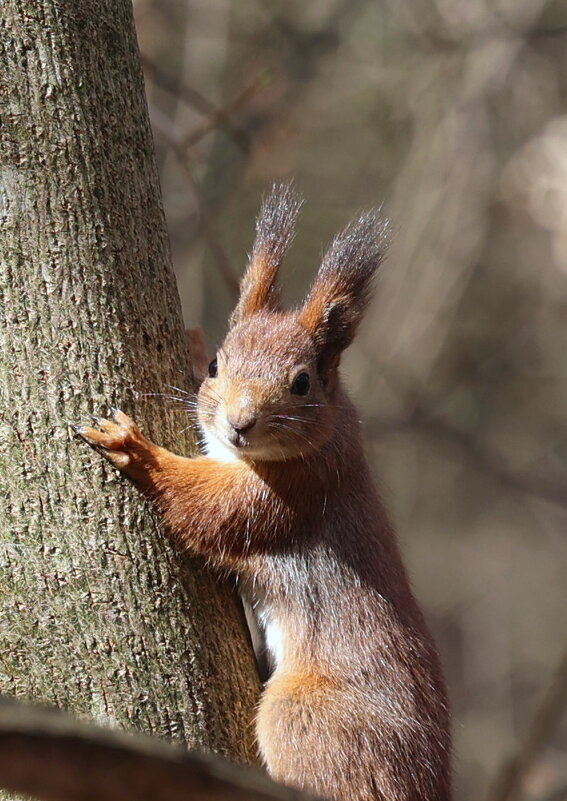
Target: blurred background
{"points": [[453, 114]]}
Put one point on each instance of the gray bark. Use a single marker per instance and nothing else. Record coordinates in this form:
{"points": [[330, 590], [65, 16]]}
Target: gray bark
{"points": [[98, 614]]}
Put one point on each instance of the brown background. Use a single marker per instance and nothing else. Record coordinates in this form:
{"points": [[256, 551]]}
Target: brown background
{"points": [[452, 113]]}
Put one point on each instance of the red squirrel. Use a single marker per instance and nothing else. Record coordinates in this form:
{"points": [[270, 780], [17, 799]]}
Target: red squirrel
{"points": [[356, 707]]}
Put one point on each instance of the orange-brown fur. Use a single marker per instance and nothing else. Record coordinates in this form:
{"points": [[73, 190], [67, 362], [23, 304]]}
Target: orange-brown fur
{"points": [[356, 708], [197, 350]]}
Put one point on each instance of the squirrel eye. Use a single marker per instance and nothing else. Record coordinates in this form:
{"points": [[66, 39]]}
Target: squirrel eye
{"points": [[213, 368], [300, 385]]}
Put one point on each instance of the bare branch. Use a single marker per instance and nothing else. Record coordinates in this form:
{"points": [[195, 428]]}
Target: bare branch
{"points": [[511, 778], [558, 794], [300, 67], [207, 225], [47, 754], [421, 414], [191, 96], [220, 118], [217, 117], [486, 461]]}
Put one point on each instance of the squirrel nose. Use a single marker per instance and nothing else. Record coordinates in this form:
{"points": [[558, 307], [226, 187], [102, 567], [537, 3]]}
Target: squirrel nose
{"points": [[241, 423]]}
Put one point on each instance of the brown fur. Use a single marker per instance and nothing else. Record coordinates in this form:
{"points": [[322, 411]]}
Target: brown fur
{"points": [[197, 350], [356, 709], [274, 231]]}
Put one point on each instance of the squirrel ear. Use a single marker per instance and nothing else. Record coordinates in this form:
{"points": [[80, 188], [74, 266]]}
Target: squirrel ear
{"points": [[341, 290], [275, 227]]}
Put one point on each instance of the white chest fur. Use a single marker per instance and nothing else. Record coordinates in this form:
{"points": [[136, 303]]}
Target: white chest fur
{"points": [[265, 629], [270, 632], [217, 449], [273, 633]]}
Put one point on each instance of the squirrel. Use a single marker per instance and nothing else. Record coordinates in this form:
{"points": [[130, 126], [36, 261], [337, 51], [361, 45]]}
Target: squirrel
{"points": [[283, 497]]}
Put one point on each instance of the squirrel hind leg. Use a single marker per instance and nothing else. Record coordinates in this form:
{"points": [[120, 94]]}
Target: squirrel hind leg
{"points": [[300, 728], [327, 737]]}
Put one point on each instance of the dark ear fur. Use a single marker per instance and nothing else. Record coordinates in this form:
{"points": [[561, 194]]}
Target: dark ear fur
{"points": [[274, 231], [341, 291]]}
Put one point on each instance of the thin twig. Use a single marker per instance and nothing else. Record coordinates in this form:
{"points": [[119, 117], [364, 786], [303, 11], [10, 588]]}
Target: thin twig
{"points": [[222, 115], [161, 125], [299, 68], [191, 96], [512, 776], [324, 37], [558, 794], [486, 461], [217, 117], [422, 413]]}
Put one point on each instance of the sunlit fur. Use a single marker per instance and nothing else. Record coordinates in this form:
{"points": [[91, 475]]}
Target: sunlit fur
{"points": [[274, 231], [257, 364], [356, 708]]}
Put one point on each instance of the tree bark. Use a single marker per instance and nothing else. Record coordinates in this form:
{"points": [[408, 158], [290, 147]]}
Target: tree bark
{"points": [[98, 614]]}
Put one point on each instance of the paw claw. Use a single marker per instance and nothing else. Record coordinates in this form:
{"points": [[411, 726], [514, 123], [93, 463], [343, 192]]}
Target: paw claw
{"points": [[118, 440], [90, 435]]}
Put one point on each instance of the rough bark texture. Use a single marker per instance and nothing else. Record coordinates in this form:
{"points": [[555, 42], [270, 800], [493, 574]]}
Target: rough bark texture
{"points": [[97, 612]]}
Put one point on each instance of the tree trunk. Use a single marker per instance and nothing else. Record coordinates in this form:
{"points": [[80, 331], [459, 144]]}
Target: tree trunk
{"points": [[98, 614]]}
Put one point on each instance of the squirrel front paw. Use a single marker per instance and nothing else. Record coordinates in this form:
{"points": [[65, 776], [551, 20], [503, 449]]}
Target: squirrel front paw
{"points": [[121, 442]]}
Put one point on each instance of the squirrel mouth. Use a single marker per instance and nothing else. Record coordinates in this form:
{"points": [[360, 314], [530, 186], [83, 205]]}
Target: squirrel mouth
{"points": [[237, 440]]}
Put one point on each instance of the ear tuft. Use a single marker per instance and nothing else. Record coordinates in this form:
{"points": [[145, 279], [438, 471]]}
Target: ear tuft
{"points": [[341, 290], [275, 228]]}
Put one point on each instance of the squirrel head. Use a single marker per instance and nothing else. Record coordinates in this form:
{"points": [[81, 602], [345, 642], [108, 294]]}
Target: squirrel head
{"points": [[270, 393]]}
